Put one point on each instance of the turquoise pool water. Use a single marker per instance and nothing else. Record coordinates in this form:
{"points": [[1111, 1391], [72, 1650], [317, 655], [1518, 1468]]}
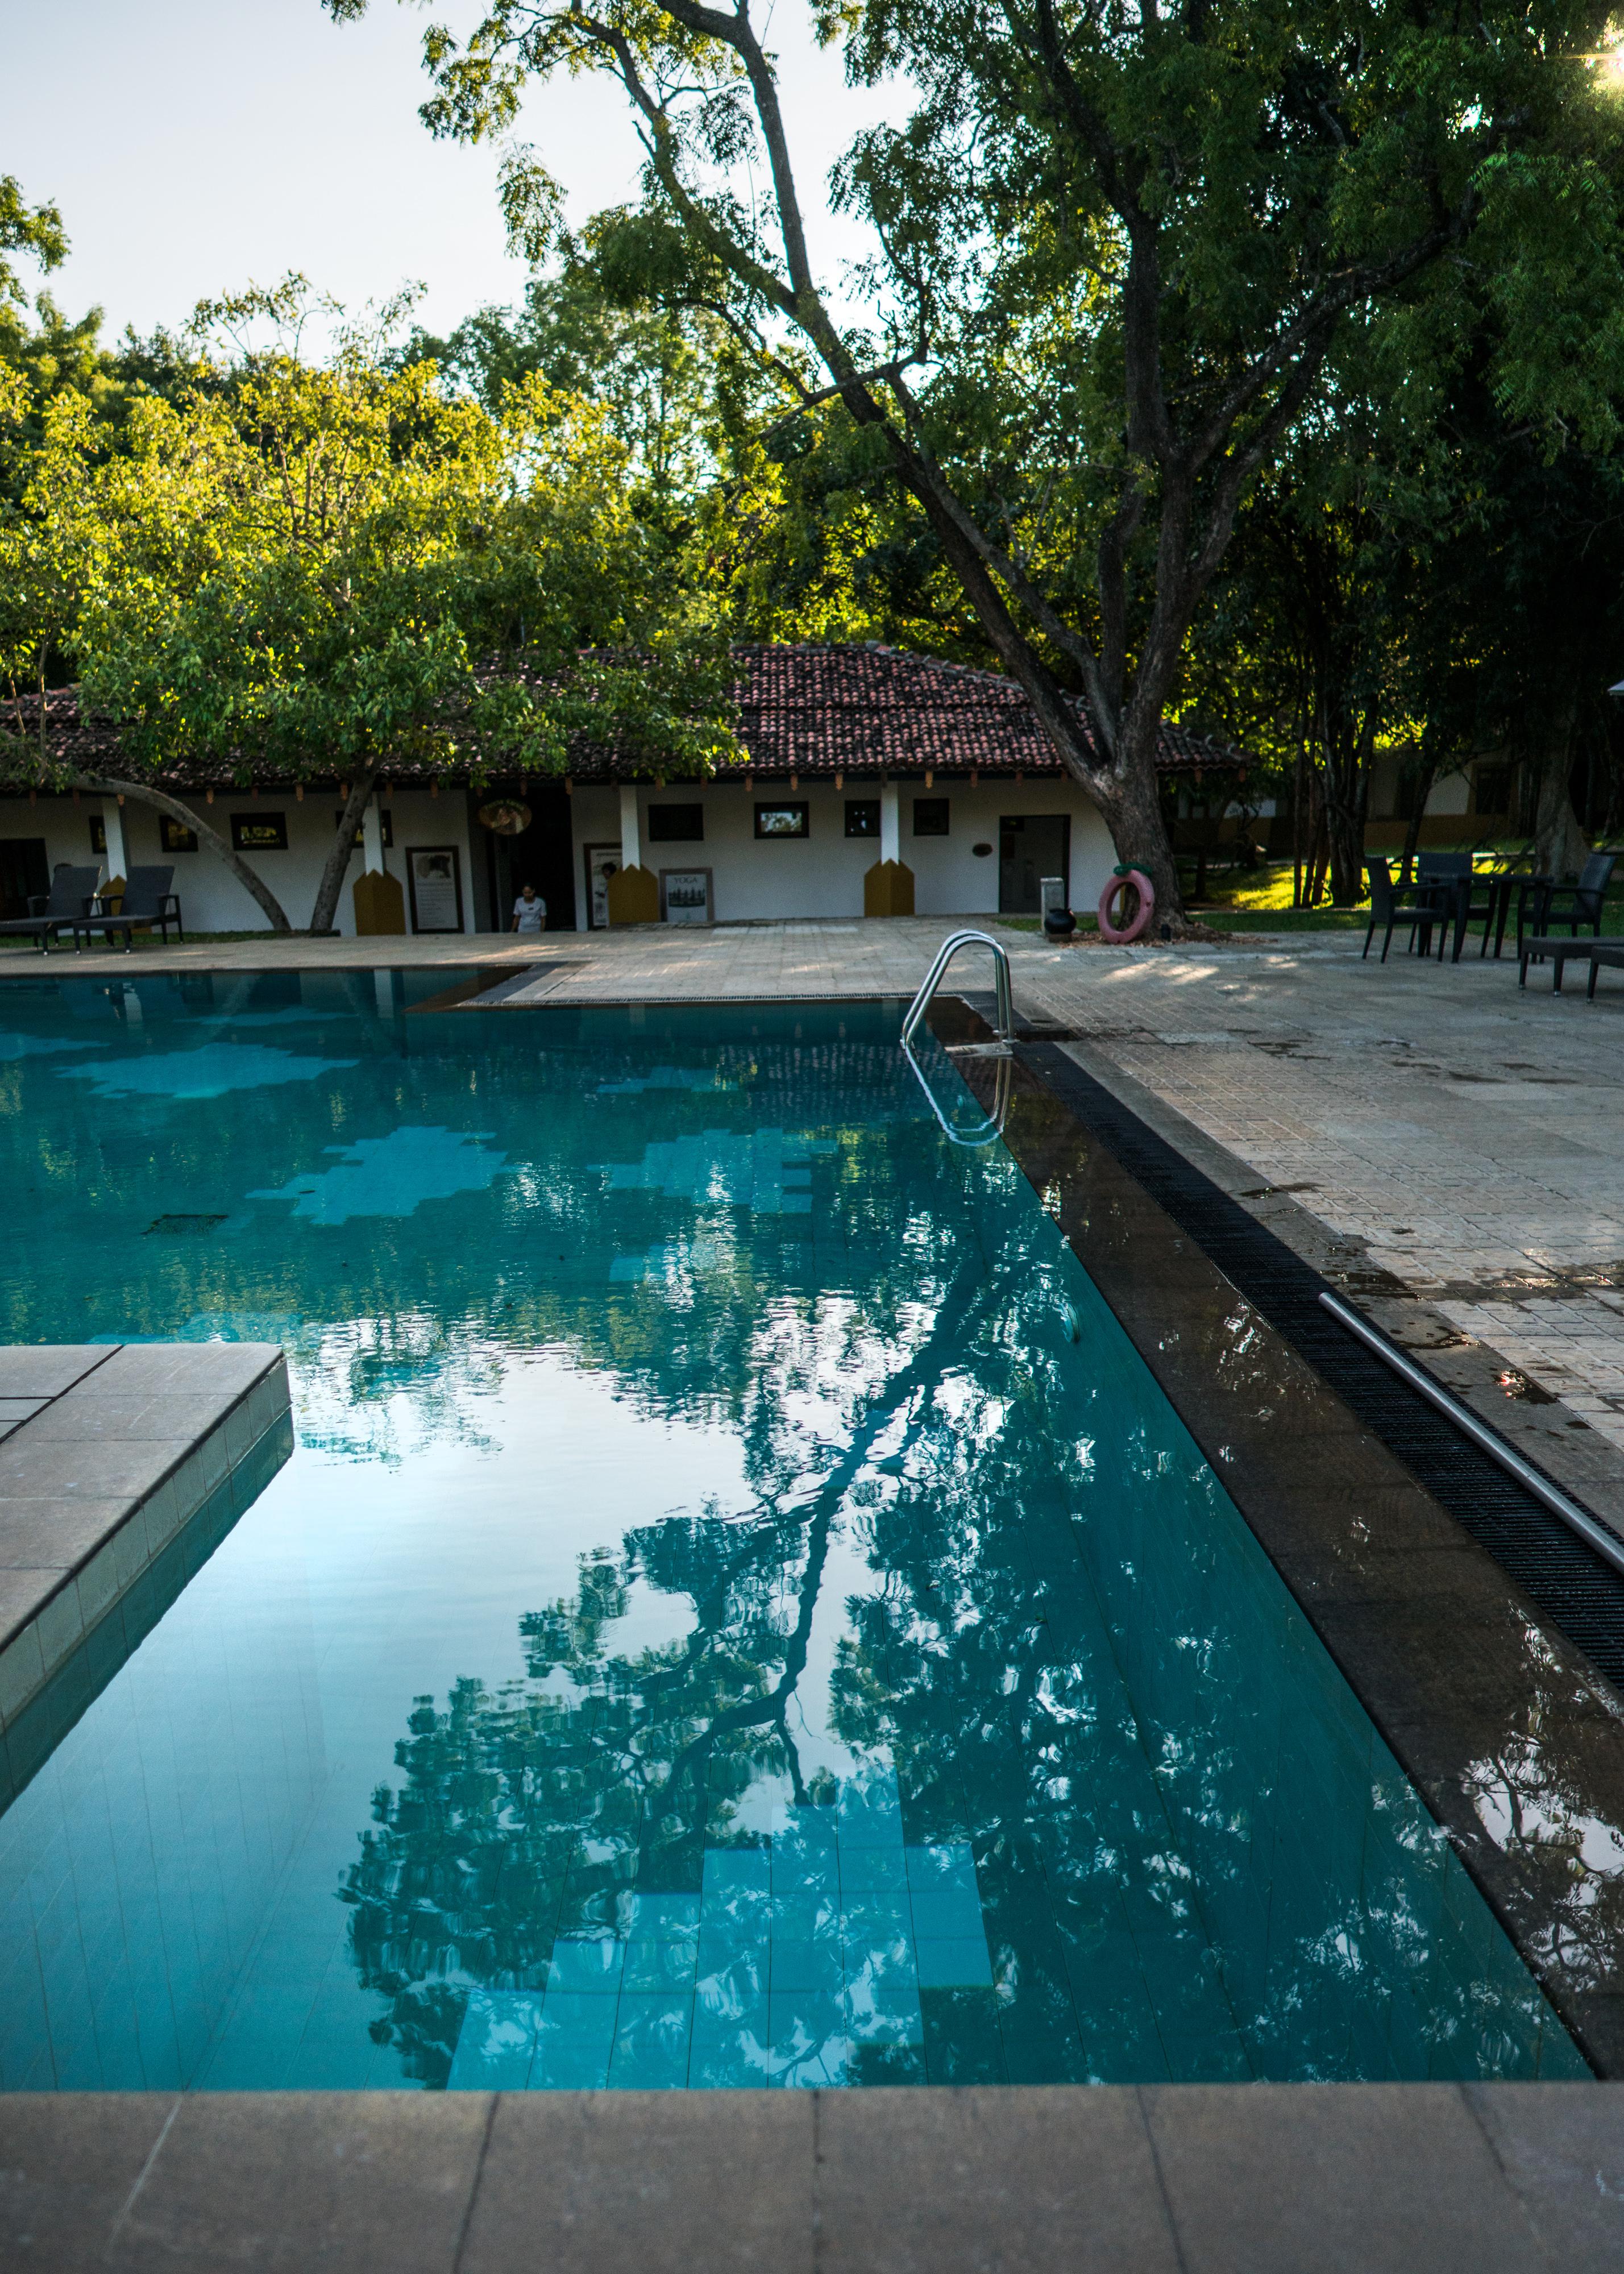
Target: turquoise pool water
{"points": [[739, 1612]]}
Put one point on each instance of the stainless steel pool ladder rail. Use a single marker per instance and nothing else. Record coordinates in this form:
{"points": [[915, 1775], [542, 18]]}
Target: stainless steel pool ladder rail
{"points": [[991, 1125], [1003, 1025]]}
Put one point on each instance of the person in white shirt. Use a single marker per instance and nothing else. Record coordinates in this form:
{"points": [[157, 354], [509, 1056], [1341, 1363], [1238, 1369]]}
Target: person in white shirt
{"points": [[530, 911]]}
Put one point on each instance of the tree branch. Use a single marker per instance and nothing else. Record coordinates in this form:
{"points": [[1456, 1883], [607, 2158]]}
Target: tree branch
{"points": [[147, 794]]}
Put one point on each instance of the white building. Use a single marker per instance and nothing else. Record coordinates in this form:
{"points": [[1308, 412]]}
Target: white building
{"points": [[853, 755]]}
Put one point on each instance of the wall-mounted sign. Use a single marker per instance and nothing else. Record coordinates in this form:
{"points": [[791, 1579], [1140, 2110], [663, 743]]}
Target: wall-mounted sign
{"points": [[434, 874], [259, 832], [505, 816], [685, 896]]}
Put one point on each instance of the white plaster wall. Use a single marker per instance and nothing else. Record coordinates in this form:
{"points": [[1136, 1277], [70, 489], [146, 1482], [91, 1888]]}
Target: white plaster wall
{"points": [[822, 875], [1451, 796], [211, 897]]}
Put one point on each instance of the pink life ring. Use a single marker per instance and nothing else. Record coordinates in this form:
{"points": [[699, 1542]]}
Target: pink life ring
{"points": [[1133, 887]]}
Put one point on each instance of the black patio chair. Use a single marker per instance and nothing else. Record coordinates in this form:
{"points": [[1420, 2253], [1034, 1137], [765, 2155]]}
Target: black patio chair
{"points": [[1393, 905], [147, 903], [50, 914], [1584, 899], [1456, 876]]}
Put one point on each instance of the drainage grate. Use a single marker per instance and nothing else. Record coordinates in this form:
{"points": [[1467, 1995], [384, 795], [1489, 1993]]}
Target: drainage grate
{"points": [[1573, 1587], [184, 1227]]}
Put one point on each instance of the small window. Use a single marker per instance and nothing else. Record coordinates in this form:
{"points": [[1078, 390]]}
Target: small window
{"points": [[782, 820], [862, 816], [98, 833], [386, 815], [259, 832], [931, 816], [174, 836], [676, 824], [1491, 790]]}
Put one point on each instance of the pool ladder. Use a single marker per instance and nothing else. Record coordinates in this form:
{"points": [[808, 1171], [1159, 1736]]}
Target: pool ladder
{"points": [[1005, 1023], [991, 1125]]}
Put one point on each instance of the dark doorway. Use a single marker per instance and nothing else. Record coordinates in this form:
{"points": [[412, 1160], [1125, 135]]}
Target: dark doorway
{"points": [[1031, 846], [24, 871], [541, 855]]}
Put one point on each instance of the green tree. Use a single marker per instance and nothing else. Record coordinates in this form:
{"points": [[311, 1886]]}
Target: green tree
{"points": [[659, 375], [1112, 256], [35, 231], [314, 570]]}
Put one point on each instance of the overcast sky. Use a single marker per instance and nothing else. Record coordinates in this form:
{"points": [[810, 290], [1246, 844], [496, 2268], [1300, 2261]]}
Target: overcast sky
{"points": [[194, 146]]}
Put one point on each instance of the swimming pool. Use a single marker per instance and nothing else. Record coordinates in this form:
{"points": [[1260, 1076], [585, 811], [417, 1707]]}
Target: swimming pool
{"points": [[739, 1611]]}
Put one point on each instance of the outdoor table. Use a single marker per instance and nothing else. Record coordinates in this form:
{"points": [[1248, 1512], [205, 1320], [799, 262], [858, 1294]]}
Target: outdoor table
{"points": [[1454, 895], [1506, 882], [1593, 952]]}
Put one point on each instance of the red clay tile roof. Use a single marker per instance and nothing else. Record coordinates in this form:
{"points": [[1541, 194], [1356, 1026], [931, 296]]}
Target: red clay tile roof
{"points": [[805, 709], [871, 710]]}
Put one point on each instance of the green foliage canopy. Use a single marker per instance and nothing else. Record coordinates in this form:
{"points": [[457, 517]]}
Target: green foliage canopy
{"points": [[1113, 250]]}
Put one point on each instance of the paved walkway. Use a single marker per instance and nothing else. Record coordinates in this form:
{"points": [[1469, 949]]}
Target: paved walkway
{"points": [[1449, 1147], [1254, 2179]]}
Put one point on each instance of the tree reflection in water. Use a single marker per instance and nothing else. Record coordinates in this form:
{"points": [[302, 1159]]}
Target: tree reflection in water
{"points": [[1194, 1855]]}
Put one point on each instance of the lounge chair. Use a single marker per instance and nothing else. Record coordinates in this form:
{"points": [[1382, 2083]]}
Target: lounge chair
{"points": [[50, 914], [147, 902], [1390, 906]]}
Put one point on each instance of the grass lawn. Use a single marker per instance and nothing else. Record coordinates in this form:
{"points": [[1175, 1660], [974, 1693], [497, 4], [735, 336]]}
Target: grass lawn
{"points": [[1260, 901]]}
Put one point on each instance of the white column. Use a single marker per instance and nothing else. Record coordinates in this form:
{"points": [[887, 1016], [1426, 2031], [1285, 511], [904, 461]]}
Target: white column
{"points": [[371, 835], [631, 834], [891, 823], [113, 822]]}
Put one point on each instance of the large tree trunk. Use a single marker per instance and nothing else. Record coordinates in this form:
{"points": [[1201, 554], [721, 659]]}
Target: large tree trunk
{"points": [[1133, 816], [1561, 845], [1423, 789], [338, 860], [146, 794], [1347, 772]]}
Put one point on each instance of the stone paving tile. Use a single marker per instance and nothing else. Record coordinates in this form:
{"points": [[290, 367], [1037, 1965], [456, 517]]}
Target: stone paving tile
{"points": [[1460, 1135], [1091, 2180]]}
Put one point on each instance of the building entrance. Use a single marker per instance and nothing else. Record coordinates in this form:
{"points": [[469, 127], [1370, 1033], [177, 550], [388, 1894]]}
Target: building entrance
{"points": [[541, 855], [1031, 846]]}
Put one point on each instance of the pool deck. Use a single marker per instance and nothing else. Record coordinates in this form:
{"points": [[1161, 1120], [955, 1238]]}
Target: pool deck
{"points": [[1178, 2180], [120, 1464]]}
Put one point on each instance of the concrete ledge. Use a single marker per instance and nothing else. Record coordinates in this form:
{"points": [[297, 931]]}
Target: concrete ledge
{"points": [[1178, 2180], [120, 1451]]}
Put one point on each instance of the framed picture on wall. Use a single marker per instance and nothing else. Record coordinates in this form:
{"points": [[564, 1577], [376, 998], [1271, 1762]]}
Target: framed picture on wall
{"points": [[98, 833], [259, 832], [435, 877], [685, 896], [174, 836]]}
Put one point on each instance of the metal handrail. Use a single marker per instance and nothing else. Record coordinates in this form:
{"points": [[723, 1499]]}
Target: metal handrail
{"points": [[1005, 1023]]}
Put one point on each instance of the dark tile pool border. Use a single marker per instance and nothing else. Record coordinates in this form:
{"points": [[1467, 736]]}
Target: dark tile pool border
{"points": [[1513, 1739]]}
